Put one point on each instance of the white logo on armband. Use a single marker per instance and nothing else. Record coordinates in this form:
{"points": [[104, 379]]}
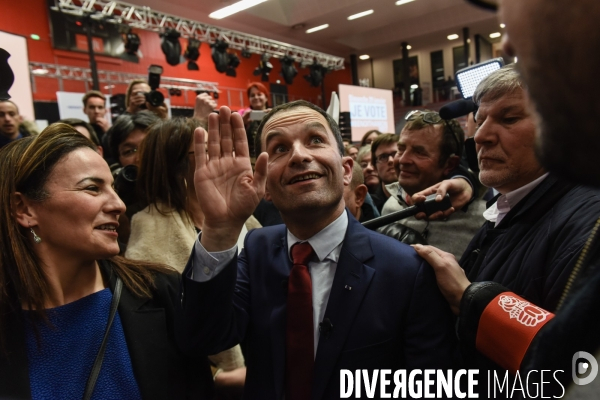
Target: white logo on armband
{"points": [[523, 311]]}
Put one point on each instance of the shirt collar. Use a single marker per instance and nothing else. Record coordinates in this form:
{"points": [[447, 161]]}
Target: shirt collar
{"points": [[517, 195], [507, 201], [325, 243]]}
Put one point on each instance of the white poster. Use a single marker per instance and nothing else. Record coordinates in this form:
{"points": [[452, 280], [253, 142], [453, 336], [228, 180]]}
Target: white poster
{"points": [[20, 91]]}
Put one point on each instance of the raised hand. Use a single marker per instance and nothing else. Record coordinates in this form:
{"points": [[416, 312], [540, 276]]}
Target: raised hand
{"points": [[227, 189]]}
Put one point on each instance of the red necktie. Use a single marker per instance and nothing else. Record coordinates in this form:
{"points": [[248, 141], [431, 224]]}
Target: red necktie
{"points": [[299, 332]]}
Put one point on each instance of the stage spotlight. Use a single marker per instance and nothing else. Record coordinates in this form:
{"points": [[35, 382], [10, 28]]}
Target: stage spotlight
{"points": [[264, 68], [232, 64], [315, 77], [170, 46], [219, 55], [246, 53], [132, 43], [288, 70], [192, 53]]}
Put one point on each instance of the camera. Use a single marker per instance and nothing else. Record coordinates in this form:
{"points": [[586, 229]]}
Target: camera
{"points": [[125, 178], [154, 97]]}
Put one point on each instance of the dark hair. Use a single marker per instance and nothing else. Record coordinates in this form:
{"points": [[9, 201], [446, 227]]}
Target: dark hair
{"points": [[382, 140], [335, 129], [363, 141], [126, 124], [92, 93], [448, 145], [22, 279], [74, 122], [164, 164], [11, 102]]}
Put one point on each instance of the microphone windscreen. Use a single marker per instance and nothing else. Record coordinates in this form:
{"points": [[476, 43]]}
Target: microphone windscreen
{"points": [[457, 108]]}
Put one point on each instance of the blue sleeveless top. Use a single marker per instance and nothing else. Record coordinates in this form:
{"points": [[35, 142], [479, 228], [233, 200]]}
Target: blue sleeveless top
{"points": [[60, 367]]}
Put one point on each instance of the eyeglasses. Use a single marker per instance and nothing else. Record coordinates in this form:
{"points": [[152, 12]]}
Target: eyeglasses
{"points": [[382, 158], [129, 152], [433, 118]]}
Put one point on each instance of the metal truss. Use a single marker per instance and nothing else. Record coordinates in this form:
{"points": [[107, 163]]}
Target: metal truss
{"points": [[142, 17], [65, 72]]}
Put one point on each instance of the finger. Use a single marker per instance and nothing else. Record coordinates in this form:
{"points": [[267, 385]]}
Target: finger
{"points": [[420, 196], [441, 191], [225, 119], [240, 140], [214, 139], [200, 147], [448, 212], [260, 174], [421, 215], [430, 255]]}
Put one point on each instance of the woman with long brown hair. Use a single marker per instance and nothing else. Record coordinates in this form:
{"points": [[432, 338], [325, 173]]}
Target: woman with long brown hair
{"points": [[166, 229], [76, 320]]}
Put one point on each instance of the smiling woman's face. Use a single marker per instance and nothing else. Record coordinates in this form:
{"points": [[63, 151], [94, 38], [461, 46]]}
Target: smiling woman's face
{"points": [[80, 216]]}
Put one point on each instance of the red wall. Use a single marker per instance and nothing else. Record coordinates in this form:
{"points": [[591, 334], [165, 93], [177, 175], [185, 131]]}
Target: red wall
{"points": [[33, 19]]}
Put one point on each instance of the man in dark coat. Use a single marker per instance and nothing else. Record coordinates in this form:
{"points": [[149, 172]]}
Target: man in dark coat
{"points": [[535, 229]]}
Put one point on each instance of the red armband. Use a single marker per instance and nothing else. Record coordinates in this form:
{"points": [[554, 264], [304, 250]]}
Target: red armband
{"points": [[506, 328]]}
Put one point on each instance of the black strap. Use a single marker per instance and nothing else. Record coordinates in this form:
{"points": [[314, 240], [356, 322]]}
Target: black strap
{"points": [[91, 382]]}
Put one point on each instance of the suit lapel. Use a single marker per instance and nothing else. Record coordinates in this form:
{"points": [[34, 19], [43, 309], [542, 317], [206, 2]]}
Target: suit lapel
{"points": [[350, 284], [145, 332], [281, 267]]}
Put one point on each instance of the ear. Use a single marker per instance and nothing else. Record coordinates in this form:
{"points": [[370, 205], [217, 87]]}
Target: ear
{"points": [[360, 193], [100, 151], [451, 164], [23, 211], [347, 164]]}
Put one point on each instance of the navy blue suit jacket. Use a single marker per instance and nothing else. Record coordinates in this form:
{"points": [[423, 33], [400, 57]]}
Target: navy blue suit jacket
{"points": [[385, 308]]}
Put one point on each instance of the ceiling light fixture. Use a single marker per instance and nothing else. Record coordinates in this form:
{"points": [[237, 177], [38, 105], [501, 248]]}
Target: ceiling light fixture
{"points": [[502, 26], [408, 47], [454, 36], [192, 53], [361, 14], [288, 70], [317, 28], [234, 8], [364, 57], [264, 68], [400, 2], [495, 35]]}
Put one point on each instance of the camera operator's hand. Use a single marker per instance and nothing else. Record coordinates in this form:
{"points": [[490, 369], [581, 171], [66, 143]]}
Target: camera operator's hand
{"points": [[136, 102], [460, 192], [162, 111], [205, 104], [227, 190]]}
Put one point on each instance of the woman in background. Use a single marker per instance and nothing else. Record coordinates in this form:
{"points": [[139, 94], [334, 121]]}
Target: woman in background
{"points": [[368, 137], [258, 96], [60, 278], [166, 229]]}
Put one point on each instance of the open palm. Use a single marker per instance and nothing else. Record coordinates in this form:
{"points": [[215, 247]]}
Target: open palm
{"points": [[226, 188]]}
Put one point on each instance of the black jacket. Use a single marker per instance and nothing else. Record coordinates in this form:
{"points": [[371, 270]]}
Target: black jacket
{"points": [[160, 369]]}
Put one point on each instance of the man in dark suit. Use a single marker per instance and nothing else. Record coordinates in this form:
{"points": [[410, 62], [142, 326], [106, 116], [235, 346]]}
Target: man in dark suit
{"points": [[316, 295]]}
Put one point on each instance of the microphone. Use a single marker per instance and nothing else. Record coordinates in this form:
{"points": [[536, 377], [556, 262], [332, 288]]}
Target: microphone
{"points": [[429, 206], [457, 108], [325, 328]]}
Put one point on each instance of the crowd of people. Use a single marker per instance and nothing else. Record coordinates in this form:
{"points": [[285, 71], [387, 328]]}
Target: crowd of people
{"points": [[223, 255]]}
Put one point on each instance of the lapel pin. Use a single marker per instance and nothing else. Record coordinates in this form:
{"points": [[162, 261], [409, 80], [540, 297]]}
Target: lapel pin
{"points": [[348, 287]]}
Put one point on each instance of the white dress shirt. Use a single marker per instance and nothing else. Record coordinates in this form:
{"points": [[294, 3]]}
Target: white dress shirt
{"points": [[327, 245], [508, 201]]}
